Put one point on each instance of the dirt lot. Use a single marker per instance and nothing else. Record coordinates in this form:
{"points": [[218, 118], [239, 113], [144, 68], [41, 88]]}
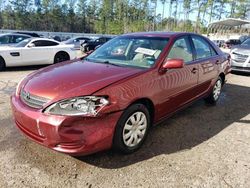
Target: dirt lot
{"points": [[202, 146]]}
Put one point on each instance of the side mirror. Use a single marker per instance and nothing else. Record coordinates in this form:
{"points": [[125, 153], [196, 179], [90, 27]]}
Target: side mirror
{"points": [[173, 64], [31, 45]]}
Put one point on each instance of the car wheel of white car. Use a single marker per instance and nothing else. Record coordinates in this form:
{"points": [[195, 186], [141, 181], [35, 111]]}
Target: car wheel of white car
{"points": [[2, 63], [132, 129], [215, 93], [60, 57]]}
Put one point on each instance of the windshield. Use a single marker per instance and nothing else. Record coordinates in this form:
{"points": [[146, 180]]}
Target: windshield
{"points": [[141, 52], [74, 40], [246, 42], [70, 41], [23, 43]]}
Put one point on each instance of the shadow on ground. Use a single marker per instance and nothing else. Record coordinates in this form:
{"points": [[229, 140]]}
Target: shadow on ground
{"points": [[24, 68], [241, 73], [184, 130]]}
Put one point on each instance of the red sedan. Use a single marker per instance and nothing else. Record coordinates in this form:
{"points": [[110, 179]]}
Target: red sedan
{"points": [[113, 96]]}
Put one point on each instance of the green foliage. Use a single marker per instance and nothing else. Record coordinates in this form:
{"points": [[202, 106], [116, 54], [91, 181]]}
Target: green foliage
{"points": [[117, 16]]}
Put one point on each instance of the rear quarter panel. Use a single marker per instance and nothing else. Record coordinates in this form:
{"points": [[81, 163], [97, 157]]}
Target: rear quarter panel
{"points": [[72, 53]]}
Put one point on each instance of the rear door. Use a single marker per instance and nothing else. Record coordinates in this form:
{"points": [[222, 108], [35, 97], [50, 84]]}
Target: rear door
{"points": [[207, 61]]}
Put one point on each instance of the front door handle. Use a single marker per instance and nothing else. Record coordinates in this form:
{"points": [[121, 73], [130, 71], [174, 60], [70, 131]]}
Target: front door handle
{"points": [[15, 54], [194, 70]]}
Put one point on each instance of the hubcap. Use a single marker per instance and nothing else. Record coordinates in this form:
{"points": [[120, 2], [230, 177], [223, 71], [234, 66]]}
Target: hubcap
{"points": [[60, 59], [217, 89], [135, 129]]}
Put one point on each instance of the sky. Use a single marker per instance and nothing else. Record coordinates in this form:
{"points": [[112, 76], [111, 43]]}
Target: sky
{"points": [[192, 16]]}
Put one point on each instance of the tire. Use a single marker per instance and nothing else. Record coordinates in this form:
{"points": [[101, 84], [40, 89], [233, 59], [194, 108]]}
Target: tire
{"points": [[215, 93], [2, 64], [86, 48], [60, 57], [130, 136]]}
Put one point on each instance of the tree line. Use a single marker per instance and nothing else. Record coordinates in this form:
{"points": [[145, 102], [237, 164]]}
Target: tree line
{"points": [[117, 16]]}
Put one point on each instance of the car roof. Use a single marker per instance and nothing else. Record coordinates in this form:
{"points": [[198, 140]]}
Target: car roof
{"points": [[14, 34], [79, 37], [27, 33], [158, 34], [38, 38]]}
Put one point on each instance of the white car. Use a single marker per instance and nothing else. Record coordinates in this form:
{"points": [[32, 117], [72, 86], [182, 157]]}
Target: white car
{"points": [[35, 51]]}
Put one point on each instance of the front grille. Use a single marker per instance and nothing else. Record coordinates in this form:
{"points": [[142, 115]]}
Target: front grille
{"points": [[240, 58], [32, 100], [241, 68]]}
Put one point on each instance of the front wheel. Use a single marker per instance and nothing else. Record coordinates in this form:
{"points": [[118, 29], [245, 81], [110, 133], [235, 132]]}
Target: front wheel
{"points": [[132, 129], [215, 93]]}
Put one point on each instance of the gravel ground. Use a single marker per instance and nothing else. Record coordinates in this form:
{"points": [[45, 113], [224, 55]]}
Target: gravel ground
{"points": [[201, 146]]}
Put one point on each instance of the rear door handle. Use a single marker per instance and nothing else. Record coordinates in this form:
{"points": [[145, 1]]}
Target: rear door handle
{"points": [[194, 70]]}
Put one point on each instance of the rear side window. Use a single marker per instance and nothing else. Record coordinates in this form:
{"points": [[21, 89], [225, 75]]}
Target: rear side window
{"points": [[203, 48], [181, 49], [41, 43]]}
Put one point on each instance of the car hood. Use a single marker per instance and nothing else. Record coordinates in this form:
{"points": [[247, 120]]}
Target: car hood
{"points": [[242, 49], [66, 45], [74, 78]]}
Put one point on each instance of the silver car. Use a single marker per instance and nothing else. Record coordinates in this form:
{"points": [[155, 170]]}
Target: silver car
{"points": [[10, 39], [240, 57], [76, 41]]}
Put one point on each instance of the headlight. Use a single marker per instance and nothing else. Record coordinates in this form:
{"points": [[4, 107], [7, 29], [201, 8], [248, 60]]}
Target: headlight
{"points": [[86, 106], [18, 86]]}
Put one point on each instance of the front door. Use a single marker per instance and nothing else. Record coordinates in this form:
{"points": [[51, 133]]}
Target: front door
{"points": [[37, 54], [178, 86]]}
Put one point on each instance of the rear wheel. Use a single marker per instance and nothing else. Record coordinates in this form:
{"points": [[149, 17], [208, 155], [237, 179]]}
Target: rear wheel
{"points": [[2, 64], [132, 129], [215, 93], [61, 56]]}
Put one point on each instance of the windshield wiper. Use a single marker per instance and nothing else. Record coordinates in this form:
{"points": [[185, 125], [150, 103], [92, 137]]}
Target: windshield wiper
{"points": [[104, 62], [109, 63]]}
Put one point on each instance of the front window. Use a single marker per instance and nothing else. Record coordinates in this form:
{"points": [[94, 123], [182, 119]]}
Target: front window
{"points": [[181, 49], [141, 52], [42, 43], [4, 39]]}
